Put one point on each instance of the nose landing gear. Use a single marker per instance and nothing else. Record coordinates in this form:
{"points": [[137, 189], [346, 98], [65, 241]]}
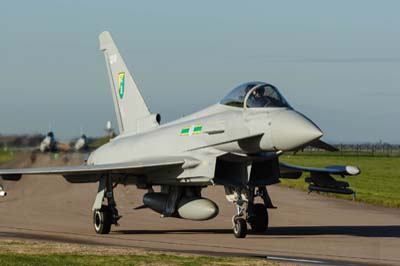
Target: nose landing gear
{"points": [[255, 214]]}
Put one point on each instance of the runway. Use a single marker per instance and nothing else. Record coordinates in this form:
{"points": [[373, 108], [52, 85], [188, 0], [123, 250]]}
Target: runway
{"points": [[305, 226]]}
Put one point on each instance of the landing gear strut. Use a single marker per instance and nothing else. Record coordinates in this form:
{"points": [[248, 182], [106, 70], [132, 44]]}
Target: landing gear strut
{"points": [[256, 214], [105, 215], [238, 220]]}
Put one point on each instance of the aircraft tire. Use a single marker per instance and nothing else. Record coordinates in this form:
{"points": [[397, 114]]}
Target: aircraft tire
{"points": [[102, 220], [240, 228], [260, 223]]}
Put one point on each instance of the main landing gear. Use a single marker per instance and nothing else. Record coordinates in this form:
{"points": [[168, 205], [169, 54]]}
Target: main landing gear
{"points": [[255, 214], [105, 215]]}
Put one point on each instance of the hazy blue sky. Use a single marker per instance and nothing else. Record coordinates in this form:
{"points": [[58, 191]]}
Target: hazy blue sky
{"points": [[338, 62]]}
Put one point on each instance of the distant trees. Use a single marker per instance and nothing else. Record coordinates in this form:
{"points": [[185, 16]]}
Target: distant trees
{"points": [[21, 141], [363, 149]]}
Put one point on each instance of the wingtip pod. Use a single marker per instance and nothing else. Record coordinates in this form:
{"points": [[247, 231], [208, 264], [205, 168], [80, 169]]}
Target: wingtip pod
{"points": [[344, 169], [105, 40], [353, 170]]}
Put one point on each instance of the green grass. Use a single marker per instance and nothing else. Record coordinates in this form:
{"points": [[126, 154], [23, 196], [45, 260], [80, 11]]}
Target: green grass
{"points": [[96, 260], [124, 260], [28, 253], [378, 183], [6, 156], [98, 142], [353, 153]]}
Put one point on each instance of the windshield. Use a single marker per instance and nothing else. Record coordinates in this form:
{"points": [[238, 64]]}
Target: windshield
{"points": [[256, 94]]}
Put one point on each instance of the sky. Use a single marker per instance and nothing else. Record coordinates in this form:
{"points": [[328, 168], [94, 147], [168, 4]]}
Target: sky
{"points": [[338, 62]]}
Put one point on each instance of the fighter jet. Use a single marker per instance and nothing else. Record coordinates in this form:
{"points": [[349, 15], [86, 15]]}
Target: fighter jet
{"points": [[82, 144], [50, 144], [2, 192], [235, 143]]}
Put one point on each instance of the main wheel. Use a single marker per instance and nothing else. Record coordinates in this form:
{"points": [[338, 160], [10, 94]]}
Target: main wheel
{"points": [[260, 223], [240, 228], [102, 220]]}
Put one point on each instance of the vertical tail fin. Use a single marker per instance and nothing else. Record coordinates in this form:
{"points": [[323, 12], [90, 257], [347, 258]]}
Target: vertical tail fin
{"points": [[129, 104]]}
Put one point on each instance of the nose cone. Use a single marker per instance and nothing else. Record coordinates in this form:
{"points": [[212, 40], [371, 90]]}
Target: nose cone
{"points": [[290, 130]]}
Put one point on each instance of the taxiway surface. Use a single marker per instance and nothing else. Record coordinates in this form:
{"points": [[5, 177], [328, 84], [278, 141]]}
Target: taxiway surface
{"points": [[304, 226]]}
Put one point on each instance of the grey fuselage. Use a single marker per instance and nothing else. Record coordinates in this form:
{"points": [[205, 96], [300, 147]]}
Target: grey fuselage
{"points": [[224, 128]]}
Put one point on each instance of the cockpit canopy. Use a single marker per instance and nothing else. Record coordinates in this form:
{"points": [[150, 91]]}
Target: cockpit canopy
{"points": [[255, 94]]}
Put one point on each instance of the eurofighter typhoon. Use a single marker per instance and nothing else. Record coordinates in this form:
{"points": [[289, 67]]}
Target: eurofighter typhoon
{"points": [[235, 143]]}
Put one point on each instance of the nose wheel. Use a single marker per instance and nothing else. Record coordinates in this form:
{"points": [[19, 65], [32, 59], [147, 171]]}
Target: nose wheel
{"points": [[240, 228]]}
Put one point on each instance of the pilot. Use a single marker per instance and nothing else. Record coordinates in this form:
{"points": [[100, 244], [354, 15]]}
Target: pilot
{"points": [[245, 91], [257, 98]]}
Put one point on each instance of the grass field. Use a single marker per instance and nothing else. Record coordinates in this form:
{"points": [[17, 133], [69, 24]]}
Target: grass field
{"points": [[378, 183], [117, 260], [6, 156], [98, 142], [26, 253]]}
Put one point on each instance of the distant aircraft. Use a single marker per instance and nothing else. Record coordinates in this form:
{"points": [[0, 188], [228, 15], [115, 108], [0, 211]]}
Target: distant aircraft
{"points": [[49, 143], [82, 144], [2, 192], [235, 143]]}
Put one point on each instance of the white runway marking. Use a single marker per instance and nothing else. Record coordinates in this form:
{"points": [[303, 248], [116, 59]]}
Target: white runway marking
{"points": [[295, 260]]}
